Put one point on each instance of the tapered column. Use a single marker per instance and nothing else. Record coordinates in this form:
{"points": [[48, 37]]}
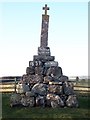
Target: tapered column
{"points": [[44, 29]]}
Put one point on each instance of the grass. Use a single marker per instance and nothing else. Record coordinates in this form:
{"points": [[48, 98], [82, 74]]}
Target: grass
{"points": [[39, 113]]}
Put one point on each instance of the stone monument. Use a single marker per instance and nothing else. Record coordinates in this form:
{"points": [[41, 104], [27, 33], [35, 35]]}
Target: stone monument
{"points": [[44, 83]]}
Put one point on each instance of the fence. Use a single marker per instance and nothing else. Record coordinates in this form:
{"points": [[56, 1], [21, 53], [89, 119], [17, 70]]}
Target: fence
{"points": [[10, 86]]}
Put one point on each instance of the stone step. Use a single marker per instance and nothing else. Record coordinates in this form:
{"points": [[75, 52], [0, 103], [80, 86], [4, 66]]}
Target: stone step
{"points": [[43, 58]]}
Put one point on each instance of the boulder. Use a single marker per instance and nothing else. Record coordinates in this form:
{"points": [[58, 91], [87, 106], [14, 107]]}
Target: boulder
{"points": [[40, 101], [68, 89], [24, 79], [55, 72], [31, 101], [54, 100], [29, 94], [28, 101], [15, 99], [56, 89], [57, 102], [22, 88], [63, 78], [24, 102], [39, 89], [33, 79], [48, 79], [30, 70], [39, 70], [72, 101]]}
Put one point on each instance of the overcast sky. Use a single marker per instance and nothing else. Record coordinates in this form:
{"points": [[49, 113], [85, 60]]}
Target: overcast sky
{"points": [[20, 29]]}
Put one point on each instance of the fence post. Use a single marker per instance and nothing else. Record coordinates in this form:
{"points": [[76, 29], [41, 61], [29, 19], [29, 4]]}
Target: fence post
{"points": [[77, 80], [15, 84]]}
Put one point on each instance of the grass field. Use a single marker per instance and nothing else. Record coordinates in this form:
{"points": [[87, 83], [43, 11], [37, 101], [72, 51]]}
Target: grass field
{"points": [[46, 113]]}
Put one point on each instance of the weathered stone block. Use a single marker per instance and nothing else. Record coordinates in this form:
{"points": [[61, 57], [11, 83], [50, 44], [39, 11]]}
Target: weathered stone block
{"points": [[67, 89], [51, 64], [15, 99], [40, 101], [31, 63], [43, 58], [33, 79], [24, 79], [55, 72], [28, 101], [29, 94], [54, 100], [22, 88], [72, 101], [30, 70], [39, 89], [48, 79], [63, 78], [38, 63], [31, 101], [44, 51], [39, 70], [56, 89]]}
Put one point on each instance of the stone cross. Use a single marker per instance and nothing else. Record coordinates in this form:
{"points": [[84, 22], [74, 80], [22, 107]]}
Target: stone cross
{"points": [[44, 29], [45, 8]]}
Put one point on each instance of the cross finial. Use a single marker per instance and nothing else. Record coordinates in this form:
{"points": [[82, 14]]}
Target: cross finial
{"points": [[45, 8]]}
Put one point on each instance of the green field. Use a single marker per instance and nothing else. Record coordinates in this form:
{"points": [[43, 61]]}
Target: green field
{"points": [[47, 113]]}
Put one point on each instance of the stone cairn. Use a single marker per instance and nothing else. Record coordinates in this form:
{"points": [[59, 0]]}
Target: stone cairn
{"points": [[44, 83]]}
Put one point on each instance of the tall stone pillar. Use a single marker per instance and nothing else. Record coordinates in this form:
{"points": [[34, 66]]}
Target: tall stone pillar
{"points": [[44, 29], [44, 53]]}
